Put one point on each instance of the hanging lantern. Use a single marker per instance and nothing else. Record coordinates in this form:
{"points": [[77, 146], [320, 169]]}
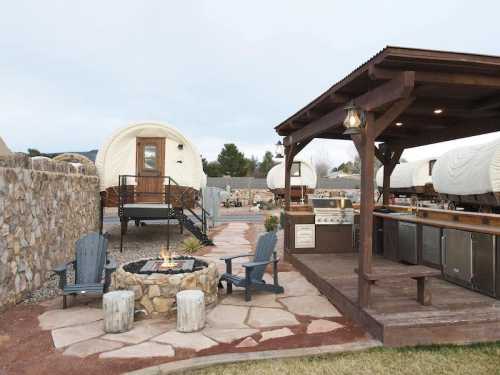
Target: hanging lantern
{"points": [[354, 119], [280, 150]]}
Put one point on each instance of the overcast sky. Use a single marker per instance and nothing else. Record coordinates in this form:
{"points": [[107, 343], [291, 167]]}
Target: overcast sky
{"points": [[71, 72]]}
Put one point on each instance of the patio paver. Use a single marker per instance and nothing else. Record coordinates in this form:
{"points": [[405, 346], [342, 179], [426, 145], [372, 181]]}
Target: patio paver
{"points": [[261, 317], [85, 348], [322, 326], [195, 340], [69, 335], [141, 331], [258, 300], [316, 306], [227, 316], [144, 350], [227, 336], [275, 334], [60, 318], [247, 343]]}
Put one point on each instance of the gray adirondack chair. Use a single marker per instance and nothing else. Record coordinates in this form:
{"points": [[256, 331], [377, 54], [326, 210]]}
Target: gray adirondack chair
{"points": [[254, 270], [91, 260]]}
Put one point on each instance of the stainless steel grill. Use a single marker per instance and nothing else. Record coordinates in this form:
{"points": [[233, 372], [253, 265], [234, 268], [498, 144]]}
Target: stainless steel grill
{"points": [[332, 211]]}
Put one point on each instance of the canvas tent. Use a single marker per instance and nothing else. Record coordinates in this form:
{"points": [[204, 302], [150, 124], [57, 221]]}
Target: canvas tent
{"points": [[4, 150], [152, 150], [303, 180], [410, 178]]}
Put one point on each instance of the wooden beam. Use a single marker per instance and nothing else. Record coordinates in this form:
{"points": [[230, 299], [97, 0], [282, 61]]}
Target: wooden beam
{"points": [[391, 115], [492, 102], [478, 80], [392, 154], [397, 88]]}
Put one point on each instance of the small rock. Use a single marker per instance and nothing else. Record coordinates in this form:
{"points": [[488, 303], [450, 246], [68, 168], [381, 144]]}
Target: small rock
{"points": [[154, 291]]}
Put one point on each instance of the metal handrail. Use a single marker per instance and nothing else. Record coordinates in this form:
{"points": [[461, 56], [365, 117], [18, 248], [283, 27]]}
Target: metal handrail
{"points": [[123, 194]]}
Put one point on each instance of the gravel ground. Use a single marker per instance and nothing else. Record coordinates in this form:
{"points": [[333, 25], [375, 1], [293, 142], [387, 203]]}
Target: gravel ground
{"points": [[140, 242]]}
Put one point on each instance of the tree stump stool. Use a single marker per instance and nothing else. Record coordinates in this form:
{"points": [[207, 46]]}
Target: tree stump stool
{"points": [[190, 310], [118, 308]]}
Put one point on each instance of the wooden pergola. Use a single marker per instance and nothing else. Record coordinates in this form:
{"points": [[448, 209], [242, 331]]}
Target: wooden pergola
{"points": [[411, 97]]}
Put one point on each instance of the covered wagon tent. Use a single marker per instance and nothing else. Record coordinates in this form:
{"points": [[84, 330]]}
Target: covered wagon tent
{"points": [[303, 180], [410, 179], [4, 150], [151, 171], [470, 176], [398, 99]]}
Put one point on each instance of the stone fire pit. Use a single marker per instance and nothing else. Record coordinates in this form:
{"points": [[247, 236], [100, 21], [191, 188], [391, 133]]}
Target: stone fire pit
{"points": [[155, 292]]}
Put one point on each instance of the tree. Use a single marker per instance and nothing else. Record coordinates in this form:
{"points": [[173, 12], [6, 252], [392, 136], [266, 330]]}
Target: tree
{"points": [[33, 152], [252, 165], [322, 168], [232, 161], [266, 164], [213, 169]]}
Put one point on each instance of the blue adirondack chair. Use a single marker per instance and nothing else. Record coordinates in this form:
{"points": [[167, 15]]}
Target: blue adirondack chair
{"points": [[254, 271], [91, 260]]}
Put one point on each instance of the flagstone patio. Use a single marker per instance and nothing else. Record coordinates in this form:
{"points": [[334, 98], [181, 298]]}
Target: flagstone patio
{"points": [[232, 325]]}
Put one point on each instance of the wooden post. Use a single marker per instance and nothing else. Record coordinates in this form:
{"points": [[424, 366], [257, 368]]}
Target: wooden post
{"points": [[366, 146], [288, 166], [386, 186]]}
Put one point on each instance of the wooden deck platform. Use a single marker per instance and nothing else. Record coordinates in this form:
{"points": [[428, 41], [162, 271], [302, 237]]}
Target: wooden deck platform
{"points": [[457, 315]]}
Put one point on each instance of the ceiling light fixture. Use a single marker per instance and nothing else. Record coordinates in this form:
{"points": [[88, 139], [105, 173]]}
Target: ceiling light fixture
{"points": [[399, 124], [438, 111]]}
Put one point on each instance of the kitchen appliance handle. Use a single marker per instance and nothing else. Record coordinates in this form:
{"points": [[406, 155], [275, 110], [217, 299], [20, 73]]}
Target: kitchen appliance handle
{"points": [[443, 250]]}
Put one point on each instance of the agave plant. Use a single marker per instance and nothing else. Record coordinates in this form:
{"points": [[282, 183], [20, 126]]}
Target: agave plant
{"points": [[191, 245]]}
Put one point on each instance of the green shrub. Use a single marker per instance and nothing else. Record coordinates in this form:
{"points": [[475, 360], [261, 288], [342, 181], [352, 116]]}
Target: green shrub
{"points": [[271, 223], [191, 245]]}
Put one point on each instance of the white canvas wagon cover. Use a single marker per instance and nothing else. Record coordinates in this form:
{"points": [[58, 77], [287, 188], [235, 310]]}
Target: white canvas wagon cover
{"points": [[469, 170], [407, 175], [117, 156], [276, 176]]}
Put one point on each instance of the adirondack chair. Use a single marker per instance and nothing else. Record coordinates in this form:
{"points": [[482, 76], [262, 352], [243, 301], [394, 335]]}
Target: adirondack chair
{"points": [[254, 270], [91, 260]]}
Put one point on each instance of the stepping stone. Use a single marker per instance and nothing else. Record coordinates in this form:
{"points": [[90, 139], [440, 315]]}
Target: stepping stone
{"points": [[316, 306], [194, 340], [294, 283], [258, 300], [247, 343], [263, 318], [275, 334], [141, 331], [227, 316], [227, 336], [68, 317], [144, 350], [69, 335], [322, 326], [85, 348]]}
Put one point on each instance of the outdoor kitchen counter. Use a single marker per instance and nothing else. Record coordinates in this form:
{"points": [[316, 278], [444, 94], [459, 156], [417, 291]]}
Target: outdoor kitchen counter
{"points": [[493, 229]]}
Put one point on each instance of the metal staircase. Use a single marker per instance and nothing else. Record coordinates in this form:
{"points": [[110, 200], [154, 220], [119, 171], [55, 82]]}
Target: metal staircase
{"points": [[200, 232]]}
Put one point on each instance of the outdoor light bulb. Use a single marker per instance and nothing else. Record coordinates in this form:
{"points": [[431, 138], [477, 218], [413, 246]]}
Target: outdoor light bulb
{"points": [[438, 111], [399, 124]]}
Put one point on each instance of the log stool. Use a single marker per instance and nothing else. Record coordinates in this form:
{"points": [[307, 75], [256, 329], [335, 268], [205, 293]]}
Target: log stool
{"points": [[118, 307], [190, 310]]}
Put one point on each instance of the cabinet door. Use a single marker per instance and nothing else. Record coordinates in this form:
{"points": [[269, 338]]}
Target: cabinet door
{"points": [[431, 245], [483, 263], [407, 242], [457, 255], [391, 240]]}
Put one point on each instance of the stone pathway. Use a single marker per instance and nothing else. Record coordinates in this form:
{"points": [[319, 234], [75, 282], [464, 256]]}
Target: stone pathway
{"points": [[79, 331]]}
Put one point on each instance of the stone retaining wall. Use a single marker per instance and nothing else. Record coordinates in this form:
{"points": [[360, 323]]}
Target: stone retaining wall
{"points": [[45, 206]]}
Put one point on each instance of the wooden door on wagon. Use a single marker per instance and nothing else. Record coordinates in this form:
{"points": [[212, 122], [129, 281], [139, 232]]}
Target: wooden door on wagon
{"points": [[150, 161]]}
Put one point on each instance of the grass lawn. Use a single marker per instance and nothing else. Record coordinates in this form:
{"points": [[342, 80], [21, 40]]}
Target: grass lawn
{"points": [[435, 360]]}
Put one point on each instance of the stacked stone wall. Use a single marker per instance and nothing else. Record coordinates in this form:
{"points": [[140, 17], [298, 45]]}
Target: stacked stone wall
{"points": [[45, 206]]}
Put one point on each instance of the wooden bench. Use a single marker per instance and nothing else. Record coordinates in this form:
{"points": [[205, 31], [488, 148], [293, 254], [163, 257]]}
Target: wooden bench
{"points": [[400, 271]]}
